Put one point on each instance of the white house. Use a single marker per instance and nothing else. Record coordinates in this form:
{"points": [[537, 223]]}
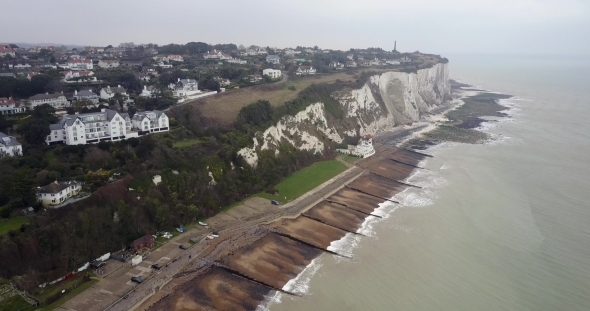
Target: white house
{"points": [[175, 58], [55, 100], [363, 149], [350, 56], [222, 82], [305, 70], [109, 92], [405, 59], [392, 62], [273, 73], [149, 91], [253, 78], [86, 95], [20, 66], [69, 75], [57, 192], [185, 88], [7, 50], [163, 65], [350, 64], [31, 74], [9, 146], [146, 77], [150, 121], [236, 61], [215, 54], [336, 65], [273, 59], [108, 63], [10, 106], [80, 64]]}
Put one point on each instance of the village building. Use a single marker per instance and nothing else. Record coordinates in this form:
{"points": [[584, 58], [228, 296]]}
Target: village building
{"points": [[31, 74], [253, 78], [80, 64], [57, 192], [236, 61], [273, 73], [363, 149], [106, 125], [350, 64], [222, 82], [146, 241], [336, 65], [150, 121], [108, 63], [86, 95], [6, 50], [55, 100], [109, 92], [185, 88], [9, 146], [146, 77], [175, 58], [305, 70], [273, 59], [149, 91], [86, 74], [10, 106], [350, 57], [392, 62], [405, 60]]}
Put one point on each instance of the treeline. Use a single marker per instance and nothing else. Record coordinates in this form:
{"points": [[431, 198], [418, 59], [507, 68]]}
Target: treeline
{"points": [[23, 88], [195, 48]]}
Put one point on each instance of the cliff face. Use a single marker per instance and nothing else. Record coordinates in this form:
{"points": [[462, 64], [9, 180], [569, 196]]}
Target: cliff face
{"points": [[386, 100]]}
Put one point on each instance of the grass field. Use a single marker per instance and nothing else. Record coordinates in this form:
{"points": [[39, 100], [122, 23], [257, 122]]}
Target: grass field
{"points": [[225, 107], [13, 303], [186, 143], [349, 159], [72, 286], [12, 224], [305, 180]]}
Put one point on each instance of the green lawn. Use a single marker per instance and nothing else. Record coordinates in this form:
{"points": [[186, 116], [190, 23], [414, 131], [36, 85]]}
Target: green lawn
{"points": [[305, 180], [186, 143], [13, 303], [12, 224]]}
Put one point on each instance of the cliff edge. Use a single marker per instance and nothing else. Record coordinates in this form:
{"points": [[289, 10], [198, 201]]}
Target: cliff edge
{"points": [[386, 100]]}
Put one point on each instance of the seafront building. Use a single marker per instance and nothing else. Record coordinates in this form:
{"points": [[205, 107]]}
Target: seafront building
{"points": [[106, 125], [363, 149], [9, 146], [56, 193], [55, 100], [273, 73]]}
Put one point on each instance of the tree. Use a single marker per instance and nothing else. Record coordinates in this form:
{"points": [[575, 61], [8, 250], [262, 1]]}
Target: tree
{"points": [[97, 179], [34, 131]]}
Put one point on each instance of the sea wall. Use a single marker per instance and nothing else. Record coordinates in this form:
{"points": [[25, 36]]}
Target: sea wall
{"points": [[387, 100]]}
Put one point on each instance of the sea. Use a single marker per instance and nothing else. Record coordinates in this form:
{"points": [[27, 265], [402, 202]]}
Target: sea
{"points": [[503, 225]]}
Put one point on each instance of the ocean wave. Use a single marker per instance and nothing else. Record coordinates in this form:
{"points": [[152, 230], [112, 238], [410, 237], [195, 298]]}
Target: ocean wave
{"points": [[411, 199], [300, 284], [345, 245]]}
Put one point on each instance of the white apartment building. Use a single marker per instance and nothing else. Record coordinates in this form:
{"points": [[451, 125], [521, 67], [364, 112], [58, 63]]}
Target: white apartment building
{"points": [[273, 73], [55, 100], [80, 64], [9, 146], [57, 192], [150, 121], [108, 63], [106, 125]]}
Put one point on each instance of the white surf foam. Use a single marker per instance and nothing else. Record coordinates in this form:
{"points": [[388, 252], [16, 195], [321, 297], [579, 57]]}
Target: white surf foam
{"points": [[300, 284]]}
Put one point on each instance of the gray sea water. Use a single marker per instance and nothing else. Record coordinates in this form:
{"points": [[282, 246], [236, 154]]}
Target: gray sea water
{"points": [[499, 226]]}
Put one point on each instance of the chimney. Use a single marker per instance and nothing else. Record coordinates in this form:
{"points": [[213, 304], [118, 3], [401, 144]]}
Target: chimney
{"points": [[102, 110], [75, 92], [119, 85], [46, 93], [178, 79], [145, 87]]}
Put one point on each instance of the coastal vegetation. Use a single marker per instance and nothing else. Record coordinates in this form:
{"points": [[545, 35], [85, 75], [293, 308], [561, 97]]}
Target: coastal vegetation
{"points": [[15, 223]]}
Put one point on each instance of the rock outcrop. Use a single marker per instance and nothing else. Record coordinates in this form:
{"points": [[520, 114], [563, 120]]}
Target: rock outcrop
{"points": [[388, 99]]}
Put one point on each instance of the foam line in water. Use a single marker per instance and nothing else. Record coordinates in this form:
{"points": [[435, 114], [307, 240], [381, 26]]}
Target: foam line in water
{"points": [[300, 284]]}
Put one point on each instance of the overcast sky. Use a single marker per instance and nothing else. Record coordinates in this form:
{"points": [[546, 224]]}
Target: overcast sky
{"points": [[434, 26]]}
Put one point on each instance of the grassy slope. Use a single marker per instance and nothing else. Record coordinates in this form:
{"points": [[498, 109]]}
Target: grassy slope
{"points": [[186, 143], [305, 180], [12, 224], [13, 303], [225, 107]]}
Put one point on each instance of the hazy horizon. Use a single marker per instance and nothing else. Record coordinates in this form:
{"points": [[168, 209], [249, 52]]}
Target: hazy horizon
{"points": [[457, 26]]}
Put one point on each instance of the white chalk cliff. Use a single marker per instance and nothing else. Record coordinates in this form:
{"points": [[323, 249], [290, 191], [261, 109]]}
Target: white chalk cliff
{"points": [[388, 99]]}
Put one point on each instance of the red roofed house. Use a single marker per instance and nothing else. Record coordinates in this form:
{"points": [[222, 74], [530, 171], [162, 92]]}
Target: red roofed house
{"points": [[80, 64], [7, 50], [175, 58], [9, 106], [146, 241]]}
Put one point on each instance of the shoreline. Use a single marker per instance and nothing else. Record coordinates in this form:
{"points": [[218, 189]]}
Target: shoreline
{"points": [[293, 223]]}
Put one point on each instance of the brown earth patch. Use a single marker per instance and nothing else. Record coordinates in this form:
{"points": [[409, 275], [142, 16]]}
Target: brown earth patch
{"points": [[379, 186], [337, 216], [310, 231], [356, 200]]}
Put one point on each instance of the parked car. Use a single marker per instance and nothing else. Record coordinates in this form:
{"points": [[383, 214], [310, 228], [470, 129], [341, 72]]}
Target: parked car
{"points": [[156, 266], [182, 246], [137, 279], [275, 202]]}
